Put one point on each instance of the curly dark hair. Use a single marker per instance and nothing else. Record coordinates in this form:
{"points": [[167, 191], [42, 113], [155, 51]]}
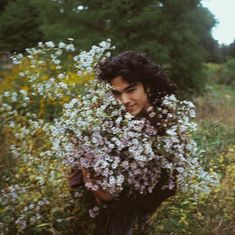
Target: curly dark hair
{"points": [[136, 67]]}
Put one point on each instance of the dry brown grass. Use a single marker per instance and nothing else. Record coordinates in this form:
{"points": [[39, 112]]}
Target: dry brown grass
{"points": [[217, 108]]}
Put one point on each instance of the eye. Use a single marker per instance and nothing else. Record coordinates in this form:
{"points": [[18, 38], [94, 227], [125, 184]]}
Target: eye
{"points": [[115, 93], [131, 90]]}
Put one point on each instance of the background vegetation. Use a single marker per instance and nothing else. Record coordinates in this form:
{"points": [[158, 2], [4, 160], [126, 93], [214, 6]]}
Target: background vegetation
{"points": [[176, 34]]}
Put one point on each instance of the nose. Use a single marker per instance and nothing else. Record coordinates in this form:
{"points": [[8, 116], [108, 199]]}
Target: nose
{"points": [[125, 99]]}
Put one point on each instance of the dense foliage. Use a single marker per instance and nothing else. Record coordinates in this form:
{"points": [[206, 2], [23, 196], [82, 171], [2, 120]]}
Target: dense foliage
{"points": [[223, 73], [175, 33], [19, 25], [35, 197]]}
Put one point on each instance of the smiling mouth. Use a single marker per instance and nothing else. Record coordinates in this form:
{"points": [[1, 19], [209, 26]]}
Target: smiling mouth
{"points": [[130, 107]]}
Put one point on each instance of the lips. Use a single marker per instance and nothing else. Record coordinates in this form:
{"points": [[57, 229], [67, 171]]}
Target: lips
{"points": [[129, 108]]}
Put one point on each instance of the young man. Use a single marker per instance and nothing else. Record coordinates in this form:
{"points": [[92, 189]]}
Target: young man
{"points": [[138, 83]]}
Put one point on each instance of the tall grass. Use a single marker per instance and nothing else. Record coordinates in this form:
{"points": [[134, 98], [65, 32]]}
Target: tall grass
{"points": [[211, 213], [205, 213]]}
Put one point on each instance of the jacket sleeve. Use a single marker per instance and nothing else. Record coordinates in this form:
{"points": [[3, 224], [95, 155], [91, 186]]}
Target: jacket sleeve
{"points": [[146, 203]]}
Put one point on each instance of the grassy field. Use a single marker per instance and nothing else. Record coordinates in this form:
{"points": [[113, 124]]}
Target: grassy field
{"points": [[210, 212]]}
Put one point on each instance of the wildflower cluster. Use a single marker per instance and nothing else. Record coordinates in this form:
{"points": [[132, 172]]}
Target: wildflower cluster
{"points": [[48, 124], [32, 188], [85, 61], [52, 60], [121, 151]]}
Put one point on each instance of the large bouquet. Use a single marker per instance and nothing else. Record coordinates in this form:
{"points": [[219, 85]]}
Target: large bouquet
{"points": [[122, 151], [92, 131]]}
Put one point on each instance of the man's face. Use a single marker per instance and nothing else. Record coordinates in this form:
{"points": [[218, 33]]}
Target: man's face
{"points": [[132, 95]]}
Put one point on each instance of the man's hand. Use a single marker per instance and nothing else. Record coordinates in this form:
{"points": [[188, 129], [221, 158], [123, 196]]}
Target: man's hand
{"points": [[100, 195]]}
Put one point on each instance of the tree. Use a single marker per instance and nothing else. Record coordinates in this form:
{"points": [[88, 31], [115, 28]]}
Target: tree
{"points": [[231, 49], [19, 22], [3, 5], [174, 33]]}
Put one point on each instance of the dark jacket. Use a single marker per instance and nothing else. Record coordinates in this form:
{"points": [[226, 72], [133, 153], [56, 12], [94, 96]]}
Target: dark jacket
{"points": [[142, 203]]}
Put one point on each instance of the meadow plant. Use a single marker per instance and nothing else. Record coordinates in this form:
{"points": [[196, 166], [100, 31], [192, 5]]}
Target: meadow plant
{"points": [[35, 196], [121, 151], [58, 121]]}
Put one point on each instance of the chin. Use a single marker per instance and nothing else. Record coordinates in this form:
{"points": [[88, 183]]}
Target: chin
{"points": [[135, 113]]}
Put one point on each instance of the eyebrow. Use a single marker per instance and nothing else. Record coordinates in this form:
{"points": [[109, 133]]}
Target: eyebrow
{"points": [[127, 88], [130, 86]]}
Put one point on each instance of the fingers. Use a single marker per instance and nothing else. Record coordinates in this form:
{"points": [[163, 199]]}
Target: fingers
{"points": [[98, 200], [100, 195], [84, 172], [86, 176]]}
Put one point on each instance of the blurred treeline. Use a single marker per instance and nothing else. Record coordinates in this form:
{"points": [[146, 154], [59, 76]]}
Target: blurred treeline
{"points": [[174, 33]]}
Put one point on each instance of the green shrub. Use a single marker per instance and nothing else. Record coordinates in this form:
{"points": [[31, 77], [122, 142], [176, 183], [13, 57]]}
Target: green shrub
{"points": [[227, 73]]}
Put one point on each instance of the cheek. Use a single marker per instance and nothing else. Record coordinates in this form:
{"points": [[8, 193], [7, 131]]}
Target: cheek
{"points": [[140, 97], [145, 101]]}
